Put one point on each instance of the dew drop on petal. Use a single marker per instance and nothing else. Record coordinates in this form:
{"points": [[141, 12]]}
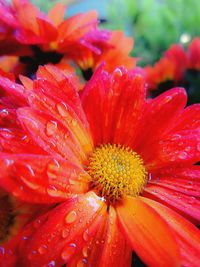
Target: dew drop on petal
{"points": [[71, 217], [182, 155], [51, 264], [65, 233], [85, 235], [62, 109], [42, 249], [51, 128], [68, 251], [85, 251]]}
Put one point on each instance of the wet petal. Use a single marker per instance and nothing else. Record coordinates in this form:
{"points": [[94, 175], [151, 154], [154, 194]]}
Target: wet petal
{"points": [[113, 104], [148, 234], [41, 179], [187, 235], [188, 206], [50, 134], [61, 235], [160, 116]]}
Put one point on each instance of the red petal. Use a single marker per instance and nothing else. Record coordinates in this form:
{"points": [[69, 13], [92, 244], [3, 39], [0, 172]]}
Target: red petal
{"points": [[148, 233], [189, 119], [107, 248], [41, 179], [178, 148], [187, 235], [45, 101], [112, 103], [14, 90], [63, 233], [188, 206], [50, 134], [160, 115]]}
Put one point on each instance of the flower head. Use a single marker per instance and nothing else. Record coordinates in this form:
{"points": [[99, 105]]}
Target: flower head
{"points": [[117, 168], [177, 68]]}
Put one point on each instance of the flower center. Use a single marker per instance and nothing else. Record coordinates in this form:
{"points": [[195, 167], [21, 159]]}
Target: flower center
{"points": [[116, 171]]}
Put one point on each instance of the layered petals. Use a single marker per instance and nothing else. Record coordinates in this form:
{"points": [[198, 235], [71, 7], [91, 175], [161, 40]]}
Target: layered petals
{"points": [[107, 93], [64, 226], [187, 235], [42, 179], [137, 220], [188, 206]]}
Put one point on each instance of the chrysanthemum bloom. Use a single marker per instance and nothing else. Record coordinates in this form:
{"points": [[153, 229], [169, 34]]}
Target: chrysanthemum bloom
{"points": [[53, 39], [119, 169], [115, 54], [177, 68], [40, 39]]}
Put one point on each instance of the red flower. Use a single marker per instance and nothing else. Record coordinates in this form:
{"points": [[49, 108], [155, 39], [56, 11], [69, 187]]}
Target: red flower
{"points": [[119, 169], [170, 67], [40, 39], [194, 54]]}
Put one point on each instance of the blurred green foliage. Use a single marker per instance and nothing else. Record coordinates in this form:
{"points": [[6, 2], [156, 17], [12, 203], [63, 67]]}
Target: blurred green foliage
{"points": [[155, 24]]}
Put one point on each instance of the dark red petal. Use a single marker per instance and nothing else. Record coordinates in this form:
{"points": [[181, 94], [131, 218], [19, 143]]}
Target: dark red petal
{"points": [[113, 104], [187, 235], [50, 134], [41, 179], [188, 206], [64, 232], [149, 235]]}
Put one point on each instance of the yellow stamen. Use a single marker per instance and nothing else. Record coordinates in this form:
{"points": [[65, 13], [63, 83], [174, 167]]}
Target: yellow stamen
{"points": [[116, 171]]}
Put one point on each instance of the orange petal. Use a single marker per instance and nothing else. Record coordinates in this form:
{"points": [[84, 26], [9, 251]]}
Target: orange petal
{"points": [[116, 250], [56, 14], [188, 206], [149, 235], [188, 236]]}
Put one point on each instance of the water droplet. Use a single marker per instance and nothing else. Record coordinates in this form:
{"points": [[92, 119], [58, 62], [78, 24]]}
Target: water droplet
{"points": [[37, 223], [52, 191], [68, 252], [42, 249], [51, 264], [2, 250], [71, 217], [65, 233], [62, 109], [182, 155], [85, 251], [85, 235], [51, 128]]}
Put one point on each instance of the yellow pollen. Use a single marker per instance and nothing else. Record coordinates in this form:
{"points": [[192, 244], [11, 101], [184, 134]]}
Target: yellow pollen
{"points": [[116, 171]]}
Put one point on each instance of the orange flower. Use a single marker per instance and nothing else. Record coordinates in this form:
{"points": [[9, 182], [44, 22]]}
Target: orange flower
{"points": [[118, 169], [116, 53]]}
